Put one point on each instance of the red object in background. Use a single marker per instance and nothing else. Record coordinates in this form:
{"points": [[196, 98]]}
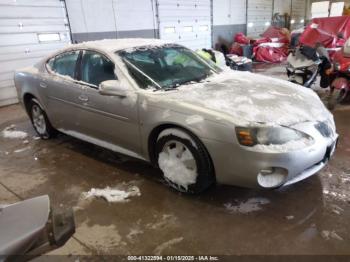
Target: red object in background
{"points": [[269, 54], [236, 49], [241, 38], [262, 41], [278, 33], [325, 30], [271, 48], [342, 60]]}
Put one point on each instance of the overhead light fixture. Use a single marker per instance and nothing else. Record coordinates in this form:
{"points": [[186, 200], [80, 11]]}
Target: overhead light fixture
{"points": [[267, 23], [50, 37], [292, 21], [302, 21], [250, 24]]}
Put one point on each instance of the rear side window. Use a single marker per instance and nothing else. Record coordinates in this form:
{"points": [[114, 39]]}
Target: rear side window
{"points": [[64, 64], [96, 68]]}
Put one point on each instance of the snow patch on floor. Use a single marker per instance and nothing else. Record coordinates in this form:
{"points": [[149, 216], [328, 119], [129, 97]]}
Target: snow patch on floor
{"points": [[248, 206], [166, 220], [327, 235], [134, 232], [337, 195], [12, 133], [22, 149], [114, 195], [159, 249], [104, 239]]}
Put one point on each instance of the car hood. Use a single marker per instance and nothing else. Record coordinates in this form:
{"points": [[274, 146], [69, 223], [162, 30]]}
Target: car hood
{"points": [[251, 98]]}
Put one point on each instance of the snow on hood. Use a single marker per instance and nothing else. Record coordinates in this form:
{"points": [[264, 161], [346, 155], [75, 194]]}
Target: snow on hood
{"points": [[251, 98]]}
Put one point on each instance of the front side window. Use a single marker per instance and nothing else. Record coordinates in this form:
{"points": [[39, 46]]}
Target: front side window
{"points": [[96, 68], [169, 65], [64, 64]]}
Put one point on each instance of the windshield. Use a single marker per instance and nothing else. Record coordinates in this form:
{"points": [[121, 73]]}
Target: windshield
{"points": [[166, 66]]}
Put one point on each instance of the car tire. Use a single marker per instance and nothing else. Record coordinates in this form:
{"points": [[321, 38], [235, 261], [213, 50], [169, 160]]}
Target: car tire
{"points": [[40, 121], [184, 161]]}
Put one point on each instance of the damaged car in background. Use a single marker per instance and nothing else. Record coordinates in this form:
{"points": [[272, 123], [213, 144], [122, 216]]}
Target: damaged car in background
{"points": [[162, 103]]}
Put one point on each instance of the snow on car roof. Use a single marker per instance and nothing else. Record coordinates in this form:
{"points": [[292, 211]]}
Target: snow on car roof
{"points": [[113, 45]]}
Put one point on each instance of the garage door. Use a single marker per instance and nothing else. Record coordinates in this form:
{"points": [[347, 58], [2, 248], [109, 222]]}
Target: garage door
{"points": [[259, 15], [298, 13], [187, 22], [29, 30]]}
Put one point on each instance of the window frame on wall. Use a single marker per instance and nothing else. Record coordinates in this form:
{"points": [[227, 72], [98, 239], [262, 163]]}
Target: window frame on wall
{"points": [[327, 10], [322, 9]]}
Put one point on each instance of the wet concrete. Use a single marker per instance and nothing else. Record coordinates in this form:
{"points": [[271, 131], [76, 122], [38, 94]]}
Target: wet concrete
{"points": [[311, 217]]}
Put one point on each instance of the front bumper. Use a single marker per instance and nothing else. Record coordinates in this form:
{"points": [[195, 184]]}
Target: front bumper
{"points": [[315, 168], [240, 166]]}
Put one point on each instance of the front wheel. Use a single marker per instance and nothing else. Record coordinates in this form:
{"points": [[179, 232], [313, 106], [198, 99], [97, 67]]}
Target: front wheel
{"points": [[335, 97], [185, 163], [40, 121]]}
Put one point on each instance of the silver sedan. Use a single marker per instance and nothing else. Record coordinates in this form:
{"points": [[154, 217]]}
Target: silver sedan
{"points": [[161, 102]]}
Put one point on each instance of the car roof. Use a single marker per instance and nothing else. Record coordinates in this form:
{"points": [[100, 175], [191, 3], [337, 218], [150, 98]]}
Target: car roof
{"points": [[114, 45]]}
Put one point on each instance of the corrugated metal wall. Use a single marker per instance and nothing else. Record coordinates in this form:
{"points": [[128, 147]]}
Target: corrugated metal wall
{"points": [[22, 23], [187, 22], [93, 20], [282, 6], [229, 18], [259, 14], [298, 13]]}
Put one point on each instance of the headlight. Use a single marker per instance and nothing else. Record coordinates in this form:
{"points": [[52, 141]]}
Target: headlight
{"points": [[251, 136]]}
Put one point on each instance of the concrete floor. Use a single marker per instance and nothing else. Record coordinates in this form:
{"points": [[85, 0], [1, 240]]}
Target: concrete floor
{"points": [[311, 217]]}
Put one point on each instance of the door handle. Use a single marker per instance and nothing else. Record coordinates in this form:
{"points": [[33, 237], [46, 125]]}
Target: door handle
{"points": [[83, 98], [43, 85]]}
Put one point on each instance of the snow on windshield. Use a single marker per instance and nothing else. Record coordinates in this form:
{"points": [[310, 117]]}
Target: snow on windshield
{"points": [[168, 66]]}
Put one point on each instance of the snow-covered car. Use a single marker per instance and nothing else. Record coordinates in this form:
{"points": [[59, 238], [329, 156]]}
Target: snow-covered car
{"points": [[163, 103]]}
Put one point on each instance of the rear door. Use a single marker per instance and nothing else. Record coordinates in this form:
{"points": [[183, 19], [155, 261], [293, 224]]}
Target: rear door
{"points": [[108, 119], [64, 95]]}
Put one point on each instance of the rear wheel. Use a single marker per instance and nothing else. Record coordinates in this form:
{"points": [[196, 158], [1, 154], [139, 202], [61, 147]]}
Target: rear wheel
{"points": [[40, 121], [335, 97], [185, 163]]}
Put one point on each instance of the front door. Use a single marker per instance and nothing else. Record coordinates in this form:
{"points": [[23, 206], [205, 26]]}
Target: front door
{"points": [[111, 120]]}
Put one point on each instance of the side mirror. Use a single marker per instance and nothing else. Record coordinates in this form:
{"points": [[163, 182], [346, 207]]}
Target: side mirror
{"points": [[112, 88]]}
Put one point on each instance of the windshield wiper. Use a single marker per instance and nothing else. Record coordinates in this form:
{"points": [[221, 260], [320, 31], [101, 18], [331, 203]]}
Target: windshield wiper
{"points": [[166, 88], [174, 86]]}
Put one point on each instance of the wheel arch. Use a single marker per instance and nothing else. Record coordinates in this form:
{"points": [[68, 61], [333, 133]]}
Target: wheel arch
{"points": [[27, 97]]}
